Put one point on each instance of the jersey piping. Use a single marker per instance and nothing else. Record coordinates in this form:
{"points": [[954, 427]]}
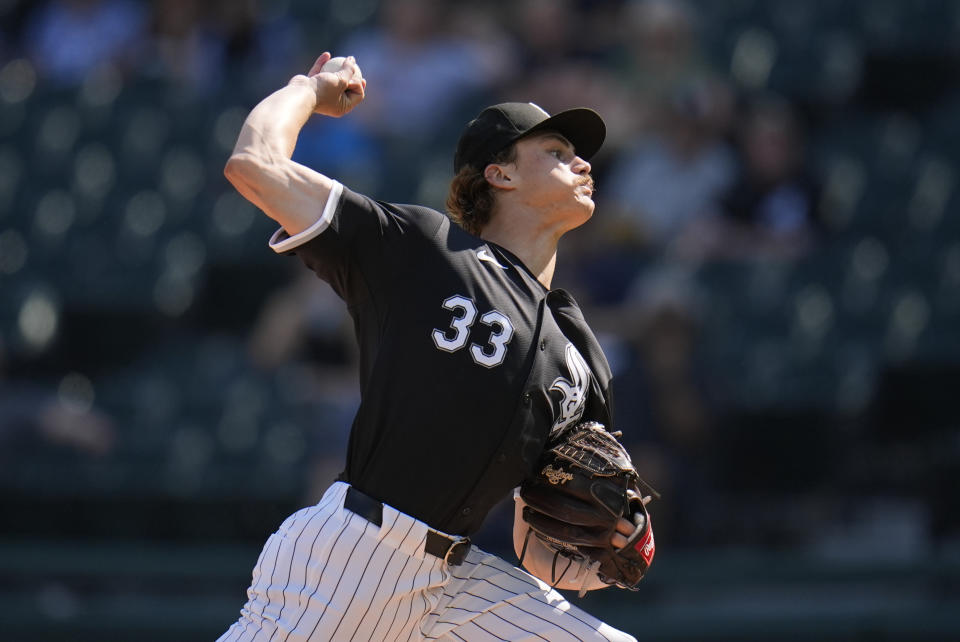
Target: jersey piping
{"points": [[281, 242]]}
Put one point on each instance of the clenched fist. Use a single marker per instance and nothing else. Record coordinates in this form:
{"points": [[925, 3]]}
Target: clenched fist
{"points": [[337, 83]]}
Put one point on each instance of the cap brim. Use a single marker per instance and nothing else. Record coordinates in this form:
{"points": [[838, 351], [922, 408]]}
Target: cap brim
{"points": [[583, 127]]}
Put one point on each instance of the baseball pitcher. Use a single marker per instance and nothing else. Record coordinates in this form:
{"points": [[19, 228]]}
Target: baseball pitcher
{"points": [[477, 380]]}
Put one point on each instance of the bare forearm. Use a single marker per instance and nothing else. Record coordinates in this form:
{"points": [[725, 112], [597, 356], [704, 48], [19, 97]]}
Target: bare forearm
{"points": [[260, 166], [273, 126]]}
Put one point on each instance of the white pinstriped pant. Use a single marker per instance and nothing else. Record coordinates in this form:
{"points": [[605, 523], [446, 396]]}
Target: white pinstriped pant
{"points": [[328, 574]]}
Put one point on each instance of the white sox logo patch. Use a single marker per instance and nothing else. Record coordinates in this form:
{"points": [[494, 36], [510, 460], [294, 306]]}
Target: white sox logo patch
{"points": [[573, 390]]}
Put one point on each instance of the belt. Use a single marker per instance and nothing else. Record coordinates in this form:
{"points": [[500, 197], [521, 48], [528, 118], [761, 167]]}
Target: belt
{"points": [[451, 549]]}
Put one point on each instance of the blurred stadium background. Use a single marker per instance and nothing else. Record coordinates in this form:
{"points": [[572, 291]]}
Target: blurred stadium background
{"points": [[774, 265]]}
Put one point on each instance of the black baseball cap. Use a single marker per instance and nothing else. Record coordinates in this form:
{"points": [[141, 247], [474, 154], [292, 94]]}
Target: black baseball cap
{"points": [[500, 125]]}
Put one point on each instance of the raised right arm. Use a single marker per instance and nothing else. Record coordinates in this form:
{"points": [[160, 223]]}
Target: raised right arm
{"points": [[260, 166]]}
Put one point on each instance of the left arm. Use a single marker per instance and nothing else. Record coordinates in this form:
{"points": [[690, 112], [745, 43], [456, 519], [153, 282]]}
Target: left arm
{"points": [[538, 560]]}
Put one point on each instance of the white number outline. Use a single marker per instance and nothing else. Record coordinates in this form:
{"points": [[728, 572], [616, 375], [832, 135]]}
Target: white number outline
{"points": [[498, 340], [461, 324]]}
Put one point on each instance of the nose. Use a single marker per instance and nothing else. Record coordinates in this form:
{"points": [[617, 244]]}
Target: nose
{"points": [[581, 166]]}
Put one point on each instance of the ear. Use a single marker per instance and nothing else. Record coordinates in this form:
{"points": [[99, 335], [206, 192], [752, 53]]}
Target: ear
{"points": [[499, 176]]}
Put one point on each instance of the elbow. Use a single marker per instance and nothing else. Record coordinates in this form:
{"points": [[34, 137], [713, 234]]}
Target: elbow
{"points": [[238, 168]]}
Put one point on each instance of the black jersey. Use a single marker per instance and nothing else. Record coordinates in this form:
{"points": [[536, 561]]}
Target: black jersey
{"points": [[467, 362]]}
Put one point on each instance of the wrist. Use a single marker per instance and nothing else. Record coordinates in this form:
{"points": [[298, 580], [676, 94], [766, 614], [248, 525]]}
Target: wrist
{"points": [[307, 88]]}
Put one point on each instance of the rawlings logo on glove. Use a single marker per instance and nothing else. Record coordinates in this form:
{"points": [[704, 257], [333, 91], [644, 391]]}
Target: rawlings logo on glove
{"points": [[586, 485], [555, 476]]}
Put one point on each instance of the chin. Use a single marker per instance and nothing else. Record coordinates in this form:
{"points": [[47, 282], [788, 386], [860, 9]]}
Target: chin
{"points": [[583, 215], [589, 206]]}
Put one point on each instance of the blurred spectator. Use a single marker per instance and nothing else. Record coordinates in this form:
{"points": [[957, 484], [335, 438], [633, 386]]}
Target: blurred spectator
{"points": [[771, 210], [184, 47], [546, 31], [196, 45], [304, 327], [660, 318], [67, 39], [663, 52], [488, 38], [261, 42], [565, 84], [667, 159], [304, 321], [655, 190], [417, 73], [34, 417], [420, 76], [560, 68], [666, 181], [663, 399]]}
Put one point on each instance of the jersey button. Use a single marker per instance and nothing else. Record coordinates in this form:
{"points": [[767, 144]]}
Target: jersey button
{"points": [[466, 511], [526, 398], [543, 345]]}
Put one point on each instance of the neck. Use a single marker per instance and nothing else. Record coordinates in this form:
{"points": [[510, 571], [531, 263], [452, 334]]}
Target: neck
{"points": [[537, 248]]}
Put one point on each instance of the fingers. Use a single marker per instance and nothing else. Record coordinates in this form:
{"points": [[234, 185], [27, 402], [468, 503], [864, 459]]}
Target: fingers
{"points": [[632, 494], [350, 64], [625, 528], [321, 61], [355, 89], [350, 100], [350, 71], [340, 88]]}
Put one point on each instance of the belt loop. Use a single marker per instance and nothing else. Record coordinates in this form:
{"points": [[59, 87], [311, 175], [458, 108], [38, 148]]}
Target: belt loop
{"points": [[451, 549], [458, 551], [364, 506]]}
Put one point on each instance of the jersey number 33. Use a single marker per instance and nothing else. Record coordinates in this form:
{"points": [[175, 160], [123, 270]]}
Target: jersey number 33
{"points": [[464, 315]]}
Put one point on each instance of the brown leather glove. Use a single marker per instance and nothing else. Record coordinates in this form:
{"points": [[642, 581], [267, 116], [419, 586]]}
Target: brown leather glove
{"points": [[585, 484]]}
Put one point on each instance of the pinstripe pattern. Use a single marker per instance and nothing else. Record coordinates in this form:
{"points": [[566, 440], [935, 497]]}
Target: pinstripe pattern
{"points": [[327, 574], [490, 599]]}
